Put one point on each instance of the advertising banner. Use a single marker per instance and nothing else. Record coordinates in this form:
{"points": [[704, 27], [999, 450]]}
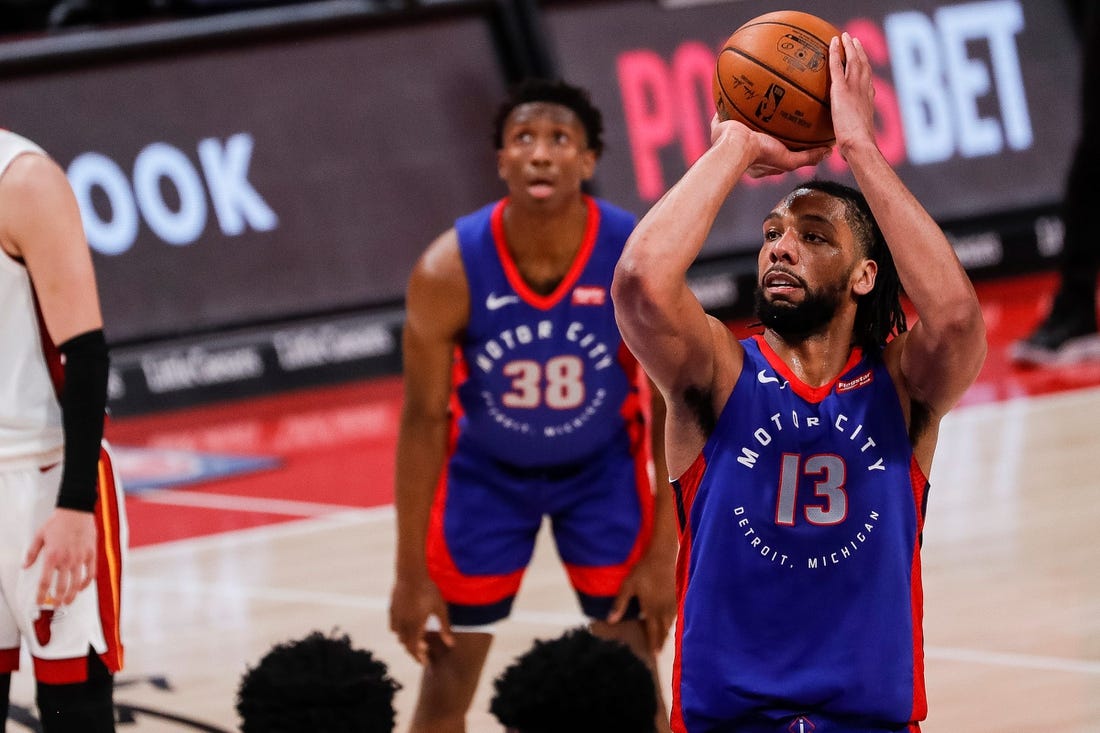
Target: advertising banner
{"points": [[246, 182], [977, 102]]}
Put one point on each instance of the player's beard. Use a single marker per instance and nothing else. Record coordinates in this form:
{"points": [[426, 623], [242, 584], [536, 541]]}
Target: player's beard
{"points": [[795, 321]]}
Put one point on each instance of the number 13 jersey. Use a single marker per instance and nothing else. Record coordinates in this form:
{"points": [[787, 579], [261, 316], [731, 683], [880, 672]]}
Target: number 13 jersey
{"points": [[799, 569]]}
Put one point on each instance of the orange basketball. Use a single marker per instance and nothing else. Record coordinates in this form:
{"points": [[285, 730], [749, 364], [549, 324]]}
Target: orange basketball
{"points": [[773, 75]]}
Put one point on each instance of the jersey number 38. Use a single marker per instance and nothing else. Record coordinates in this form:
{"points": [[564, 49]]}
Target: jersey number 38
{"points": [[558, 384]]}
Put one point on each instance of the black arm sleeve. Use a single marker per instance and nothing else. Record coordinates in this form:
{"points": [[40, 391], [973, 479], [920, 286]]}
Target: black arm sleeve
{"points": [[83, 405]]}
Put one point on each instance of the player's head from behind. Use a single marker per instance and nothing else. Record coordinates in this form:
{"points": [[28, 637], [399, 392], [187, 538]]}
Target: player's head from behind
{"points": [[320, 684], [823, 252], [576, 683], [548, 137]]}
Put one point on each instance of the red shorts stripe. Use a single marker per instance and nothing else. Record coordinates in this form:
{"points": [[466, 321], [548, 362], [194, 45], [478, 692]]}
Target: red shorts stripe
{"points": [[9, 660], [109, 563], [454, 585], [61, 671]]}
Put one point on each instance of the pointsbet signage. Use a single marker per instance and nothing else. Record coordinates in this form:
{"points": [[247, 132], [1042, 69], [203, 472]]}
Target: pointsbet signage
{"points": [[976, 102]]}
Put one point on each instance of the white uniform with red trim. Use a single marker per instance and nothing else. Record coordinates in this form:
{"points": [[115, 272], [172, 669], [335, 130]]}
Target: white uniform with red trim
{"points": [[30, 418], [31, 451]]}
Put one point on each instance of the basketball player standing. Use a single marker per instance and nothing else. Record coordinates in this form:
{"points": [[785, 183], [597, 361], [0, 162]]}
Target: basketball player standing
{"points": [[522, 402], [802, 454], [62, 531]]}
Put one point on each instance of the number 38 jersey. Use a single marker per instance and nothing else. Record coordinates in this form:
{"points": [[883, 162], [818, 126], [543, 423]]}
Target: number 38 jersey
{"points": [[543, 380], [799, 570]]}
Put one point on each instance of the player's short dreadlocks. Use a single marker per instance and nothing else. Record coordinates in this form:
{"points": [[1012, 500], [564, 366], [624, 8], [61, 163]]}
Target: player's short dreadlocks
{"points": [[879, 314]]}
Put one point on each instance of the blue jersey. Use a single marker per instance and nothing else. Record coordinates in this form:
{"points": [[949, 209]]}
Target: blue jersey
{"points": [[799, 571], [544, 380]]}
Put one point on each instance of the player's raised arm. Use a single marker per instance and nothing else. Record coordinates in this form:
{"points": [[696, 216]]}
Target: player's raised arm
{"points": [[685, 351], [941, 355]]}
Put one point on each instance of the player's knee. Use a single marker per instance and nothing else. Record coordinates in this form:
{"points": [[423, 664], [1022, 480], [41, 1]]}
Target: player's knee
{"points": [[443, 718], [83, 707]]}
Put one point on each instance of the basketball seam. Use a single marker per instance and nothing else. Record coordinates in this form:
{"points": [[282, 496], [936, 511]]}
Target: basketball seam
{"points": [[800, 29], [776, 72]]}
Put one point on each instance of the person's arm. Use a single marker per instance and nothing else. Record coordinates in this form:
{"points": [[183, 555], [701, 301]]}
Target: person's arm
{"points": [[941, 355], [436, 312], [686, 352], [42, 226]]}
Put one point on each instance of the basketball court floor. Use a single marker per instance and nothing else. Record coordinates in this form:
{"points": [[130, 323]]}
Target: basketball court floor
{"points": [[259, 521]]}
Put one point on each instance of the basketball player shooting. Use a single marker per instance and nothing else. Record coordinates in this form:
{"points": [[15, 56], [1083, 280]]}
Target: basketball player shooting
{"points": [[801, 455]]}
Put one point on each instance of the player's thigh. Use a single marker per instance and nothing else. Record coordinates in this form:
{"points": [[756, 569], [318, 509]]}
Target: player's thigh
{"points": [[19, 496], [59, 638]]}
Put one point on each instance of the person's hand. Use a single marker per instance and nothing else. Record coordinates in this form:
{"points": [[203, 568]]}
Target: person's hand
{"points": [[653, 581], [851, 93], [412, 602], [769, 157], [67, 546]]}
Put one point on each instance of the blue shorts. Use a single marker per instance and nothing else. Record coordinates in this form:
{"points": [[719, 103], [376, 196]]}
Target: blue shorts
{"points": [[487, 515]]}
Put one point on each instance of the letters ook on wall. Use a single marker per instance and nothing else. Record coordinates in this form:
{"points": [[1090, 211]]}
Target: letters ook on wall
{"points": [[265, 181]]}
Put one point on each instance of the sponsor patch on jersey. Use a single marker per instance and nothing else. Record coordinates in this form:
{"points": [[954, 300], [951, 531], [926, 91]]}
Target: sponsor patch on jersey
{"points": [[861, 381], [589, 295]]}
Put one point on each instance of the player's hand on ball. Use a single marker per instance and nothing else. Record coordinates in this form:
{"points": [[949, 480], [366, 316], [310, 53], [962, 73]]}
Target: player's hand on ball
{"points": [[770, 156]]}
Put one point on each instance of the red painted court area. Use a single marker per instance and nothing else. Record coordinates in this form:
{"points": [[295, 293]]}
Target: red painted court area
{"points": [[290, 456]]}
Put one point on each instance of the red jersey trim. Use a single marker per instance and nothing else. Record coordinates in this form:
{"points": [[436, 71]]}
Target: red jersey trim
{"points": [[916, 589], [49, 348], [109, 563], [800, 388], [544, 302], [687, 483]]}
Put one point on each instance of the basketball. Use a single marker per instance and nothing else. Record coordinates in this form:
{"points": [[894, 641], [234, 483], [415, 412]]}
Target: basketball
{"points": [[773, 75]]}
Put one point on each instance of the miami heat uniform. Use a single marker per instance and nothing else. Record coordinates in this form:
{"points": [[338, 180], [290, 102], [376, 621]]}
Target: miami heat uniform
{"points": [[31, 453], [547, 421], [799, 582]]}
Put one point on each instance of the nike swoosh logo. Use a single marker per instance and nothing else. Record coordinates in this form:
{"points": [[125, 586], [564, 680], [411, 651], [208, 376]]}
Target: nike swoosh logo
{"points": [[495, 302], [765, 379]]}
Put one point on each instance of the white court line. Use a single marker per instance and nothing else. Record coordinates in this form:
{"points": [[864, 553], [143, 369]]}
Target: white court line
{"points": [[236, 503], [1002, 659], [566, 619], [227, 541]]}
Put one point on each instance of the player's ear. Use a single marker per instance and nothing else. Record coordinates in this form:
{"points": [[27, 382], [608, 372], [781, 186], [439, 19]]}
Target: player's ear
{"points": [[589, 158], [865, 273], [500, 164]]}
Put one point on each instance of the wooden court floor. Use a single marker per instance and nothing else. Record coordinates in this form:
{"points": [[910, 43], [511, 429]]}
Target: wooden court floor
{"points": [[257, 522]]}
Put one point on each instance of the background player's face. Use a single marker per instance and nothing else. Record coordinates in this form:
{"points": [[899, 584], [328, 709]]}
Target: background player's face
{"points": [[810, 265], [544, 155]]}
